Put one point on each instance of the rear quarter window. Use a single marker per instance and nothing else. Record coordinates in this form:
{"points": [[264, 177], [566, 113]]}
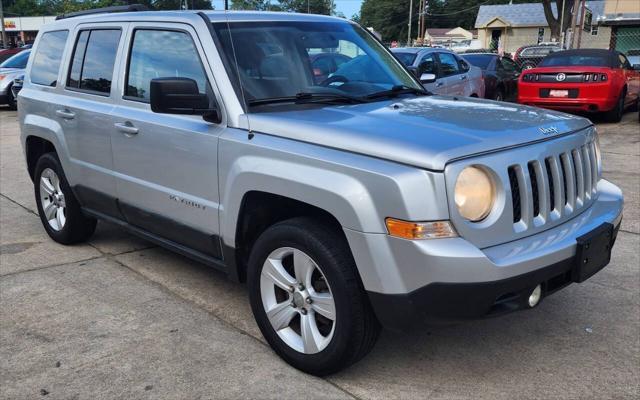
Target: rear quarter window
{"points": [[46, 61]]}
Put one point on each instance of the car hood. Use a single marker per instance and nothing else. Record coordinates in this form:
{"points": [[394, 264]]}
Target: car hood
{"points": [[426, 131]]}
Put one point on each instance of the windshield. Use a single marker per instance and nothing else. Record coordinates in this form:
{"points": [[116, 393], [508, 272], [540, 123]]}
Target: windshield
{"points": [[479, 60], [17, 61], [406, 58], [276, 60], [574, 60]]}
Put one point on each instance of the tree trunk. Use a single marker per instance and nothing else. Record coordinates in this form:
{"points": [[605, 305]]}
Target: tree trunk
{"points": [[554, 22]]}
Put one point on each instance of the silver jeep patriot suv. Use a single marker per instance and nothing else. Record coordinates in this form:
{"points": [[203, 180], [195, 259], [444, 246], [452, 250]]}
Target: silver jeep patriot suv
{"points": [[296, 153]]}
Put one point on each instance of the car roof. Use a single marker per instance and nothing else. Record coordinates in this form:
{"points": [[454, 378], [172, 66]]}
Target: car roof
{"points": [[192, 15], [416, 50]]}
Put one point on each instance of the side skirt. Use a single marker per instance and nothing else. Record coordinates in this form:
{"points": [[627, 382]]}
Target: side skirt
{"points": [[163, 242]]}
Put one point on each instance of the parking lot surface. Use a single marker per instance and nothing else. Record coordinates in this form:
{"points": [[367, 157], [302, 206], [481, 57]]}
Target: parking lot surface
{"points": [[120, 318]]}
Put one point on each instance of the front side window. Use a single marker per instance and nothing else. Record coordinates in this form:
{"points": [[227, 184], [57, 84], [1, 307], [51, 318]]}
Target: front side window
{"points": [[46, 62], [161, 54], [406, 58], [93, 60], [286, 71], [448, 64], [428, 65]]}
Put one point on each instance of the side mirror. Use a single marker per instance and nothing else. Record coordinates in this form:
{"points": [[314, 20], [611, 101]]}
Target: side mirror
{"points": [[427, 78], [181, 96], [413, 70]]}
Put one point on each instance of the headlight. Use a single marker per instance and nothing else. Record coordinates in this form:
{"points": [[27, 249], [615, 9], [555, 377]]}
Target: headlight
{"points": [[2, 77], [474, 194]]}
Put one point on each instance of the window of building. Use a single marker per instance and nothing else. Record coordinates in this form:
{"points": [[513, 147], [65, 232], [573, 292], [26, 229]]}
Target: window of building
{"points": [[93, 60], [46, 62], [162, 54], [540, 35], [594, 30]]}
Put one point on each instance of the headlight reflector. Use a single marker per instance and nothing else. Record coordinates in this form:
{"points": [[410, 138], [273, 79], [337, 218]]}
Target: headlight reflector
{"points": [[474, 194]]}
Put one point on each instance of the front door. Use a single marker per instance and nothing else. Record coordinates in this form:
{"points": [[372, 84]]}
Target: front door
{"points": [[454, 78], [167, 178], [429, 65]]}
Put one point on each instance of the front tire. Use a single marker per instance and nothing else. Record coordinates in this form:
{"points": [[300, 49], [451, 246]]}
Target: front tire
{"points": [[58, 208], [307, 297], [11, 101]]}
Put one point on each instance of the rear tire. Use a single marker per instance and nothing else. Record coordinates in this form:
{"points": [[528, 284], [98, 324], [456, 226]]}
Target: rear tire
{"points": [[58, 208], [343, 340], [615, 114]]}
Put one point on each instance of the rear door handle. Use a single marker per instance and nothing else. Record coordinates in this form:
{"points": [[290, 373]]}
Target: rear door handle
{"points": [[439, 84], [126, 127], [66, 114]]}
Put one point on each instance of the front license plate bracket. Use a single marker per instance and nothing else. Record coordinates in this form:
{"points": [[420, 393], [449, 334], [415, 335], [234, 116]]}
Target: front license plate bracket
{"points": [[593, 252]]}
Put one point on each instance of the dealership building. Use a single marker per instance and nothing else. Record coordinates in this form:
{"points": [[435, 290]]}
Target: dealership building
{"points": [[24, 29]]}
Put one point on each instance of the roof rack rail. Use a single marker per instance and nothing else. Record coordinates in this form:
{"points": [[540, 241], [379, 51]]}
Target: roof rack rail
{"points": [[114, 9]]}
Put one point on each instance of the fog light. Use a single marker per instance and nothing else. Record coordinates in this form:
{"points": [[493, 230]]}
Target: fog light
{"points": [[534, 297]]}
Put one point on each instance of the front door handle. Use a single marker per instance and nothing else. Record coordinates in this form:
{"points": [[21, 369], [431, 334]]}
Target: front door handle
{"points": [[439, 84], [66, 114], [463, 77], [126, 127]]}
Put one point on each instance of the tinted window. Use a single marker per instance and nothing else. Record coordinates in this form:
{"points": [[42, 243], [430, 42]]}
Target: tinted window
{"points": [[508, 65], [448, 64], [17, 61], [406, 58], [162, 54], [93, 60], [574, 60], [46, 62], [479, 60], [624, 63], [427, 65]]}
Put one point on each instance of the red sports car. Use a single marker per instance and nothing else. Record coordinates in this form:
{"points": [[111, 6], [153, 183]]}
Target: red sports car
{"points": [[582, 80]]}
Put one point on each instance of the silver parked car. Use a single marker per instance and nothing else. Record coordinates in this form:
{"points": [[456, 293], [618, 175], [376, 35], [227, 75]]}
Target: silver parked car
{"points": [[442, 71], [346, 202], [11, 69]]}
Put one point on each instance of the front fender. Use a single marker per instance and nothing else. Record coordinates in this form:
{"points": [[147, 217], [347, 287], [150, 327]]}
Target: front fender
{"points": [[359, 191]]}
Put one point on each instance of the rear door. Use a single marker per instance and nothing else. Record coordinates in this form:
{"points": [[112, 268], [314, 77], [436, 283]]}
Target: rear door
{"points": [[167, 178], [83, 110]]}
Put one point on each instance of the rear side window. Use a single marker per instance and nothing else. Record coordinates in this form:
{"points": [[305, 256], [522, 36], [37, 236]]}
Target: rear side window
{"points": [[93, 59], [46, 62], [161, 54]]}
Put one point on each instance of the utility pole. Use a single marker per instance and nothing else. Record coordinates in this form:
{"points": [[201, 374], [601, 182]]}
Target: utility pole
{"points": [[226, 5], [563, 33], [410, 18], [574, 15], [583, 10], [4, 35]]}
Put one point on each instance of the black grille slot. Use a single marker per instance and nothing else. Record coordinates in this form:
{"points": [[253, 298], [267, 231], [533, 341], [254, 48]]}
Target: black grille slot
{"points": [[552, 193], [534, 189], [515, 194], [564, 180]]}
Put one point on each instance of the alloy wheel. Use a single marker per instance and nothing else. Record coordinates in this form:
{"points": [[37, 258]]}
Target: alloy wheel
{"points": [[52, 199], [297, 300]]}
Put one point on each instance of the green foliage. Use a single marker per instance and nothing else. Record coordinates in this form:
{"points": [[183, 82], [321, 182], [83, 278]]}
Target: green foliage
{"points": [[257, 5], [308, 6]]}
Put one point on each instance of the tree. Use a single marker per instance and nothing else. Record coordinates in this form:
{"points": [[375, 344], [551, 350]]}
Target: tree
{"points": [[258, 5], [390, 18], [326, 7], [554, 21]]}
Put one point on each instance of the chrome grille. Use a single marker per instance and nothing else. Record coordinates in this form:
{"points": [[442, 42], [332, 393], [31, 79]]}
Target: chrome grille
{"points": [[556, 187]]}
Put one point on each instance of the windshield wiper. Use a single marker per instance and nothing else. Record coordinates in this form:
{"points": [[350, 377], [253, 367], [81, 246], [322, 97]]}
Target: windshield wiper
{"points": [[308, 97], [397, 90]]}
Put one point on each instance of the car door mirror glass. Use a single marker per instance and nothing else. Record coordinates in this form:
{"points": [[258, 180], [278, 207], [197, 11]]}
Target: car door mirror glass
{"points": [[427, 78], [181, 96]]}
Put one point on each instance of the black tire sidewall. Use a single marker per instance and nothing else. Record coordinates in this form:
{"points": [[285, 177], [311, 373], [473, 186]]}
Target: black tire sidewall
{"points": [[282, 235]]}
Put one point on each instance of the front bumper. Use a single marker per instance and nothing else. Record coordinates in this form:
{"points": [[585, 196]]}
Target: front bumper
{"points": [[412, 282]]}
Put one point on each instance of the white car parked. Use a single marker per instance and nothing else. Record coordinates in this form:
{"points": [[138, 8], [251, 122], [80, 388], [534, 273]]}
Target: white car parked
{"points": [[442, 71]]}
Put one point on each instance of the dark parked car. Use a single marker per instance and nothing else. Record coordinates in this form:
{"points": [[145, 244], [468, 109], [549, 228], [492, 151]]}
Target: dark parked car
{"points": [[325, 64], [528, 57], [500, 75], [6, 53]]}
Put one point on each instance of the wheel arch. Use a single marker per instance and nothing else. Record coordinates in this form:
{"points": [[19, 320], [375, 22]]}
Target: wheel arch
{"points": [[35, 147]]}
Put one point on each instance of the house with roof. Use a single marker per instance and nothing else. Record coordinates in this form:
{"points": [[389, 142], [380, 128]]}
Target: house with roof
{"points": [[623, 18], [511, 26], [448, 35]]}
